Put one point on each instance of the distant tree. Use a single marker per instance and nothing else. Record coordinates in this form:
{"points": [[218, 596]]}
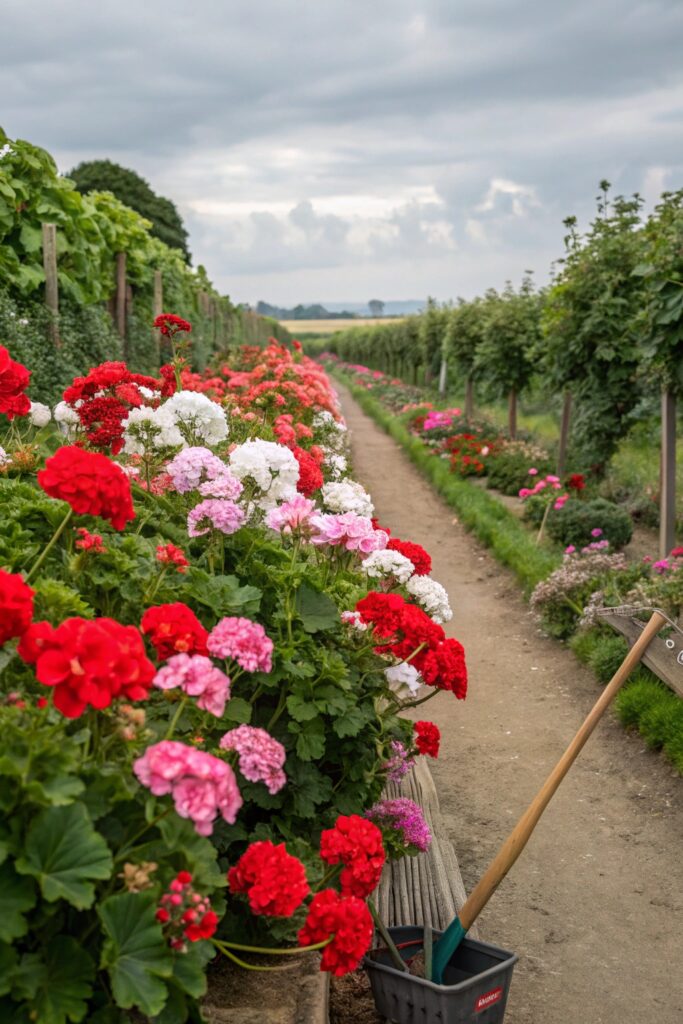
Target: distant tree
{"points": [[376, 307], [134, 191]]}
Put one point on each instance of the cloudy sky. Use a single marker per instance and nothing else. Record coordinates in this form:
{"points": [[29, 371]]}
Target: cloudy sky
{"points": [[348, 149]]}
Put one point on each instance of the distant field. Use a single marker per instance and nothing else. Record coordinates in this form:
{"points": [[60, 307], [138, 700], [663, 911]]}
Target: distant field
{"points": [[330, 326]]}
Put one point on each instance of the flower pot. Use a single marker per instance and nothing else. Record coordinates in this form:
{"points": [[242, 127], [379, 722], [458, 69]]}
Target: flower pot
{"points": [[477, 981]]}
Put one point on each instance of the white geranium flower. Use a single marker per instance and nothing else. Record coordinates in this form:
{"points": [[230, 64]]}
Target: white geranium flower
{"points": [[197, 417], [272, 467], [404, 679], [431, 596], [39, 414], [67, 418], [384, 564], [336, 464], [354, 620], [146, 429], [347, 496], [5, 459]]}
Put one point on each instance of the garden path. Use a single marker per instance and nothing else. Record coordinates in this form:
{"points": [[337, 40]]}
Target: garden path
{"points": [[594, 906]]}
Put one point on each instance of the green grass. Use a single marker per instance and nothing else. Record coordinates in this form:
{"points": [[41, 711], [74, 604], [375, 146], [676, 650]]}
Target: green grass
{"points": [[645, 703]]}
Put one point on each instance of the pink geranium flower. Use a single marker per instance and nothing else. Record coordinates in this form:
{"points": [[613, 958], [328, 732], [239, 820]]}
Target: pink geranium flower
{"points": [[243, 641], [197, 676], [260, 756]]}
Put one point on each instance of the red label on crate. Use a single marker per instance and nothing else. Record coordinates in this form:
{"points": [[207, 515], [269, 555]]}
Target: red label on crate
{"points": [[488, 999]]}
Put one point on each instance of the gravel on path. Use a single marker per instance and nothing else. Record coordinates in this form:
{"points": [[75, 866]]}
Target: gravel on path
{"points": [[594, 905]]}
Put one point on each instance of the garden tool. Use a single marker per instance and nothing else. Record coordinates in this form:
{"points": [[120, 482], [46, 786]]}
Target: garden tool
{"points": [[518, 838]]}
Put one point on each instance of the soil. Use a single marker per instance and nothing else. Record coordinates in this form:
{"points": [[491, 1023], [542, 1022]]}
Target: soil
{"points": [[594, 905], [351, 1000]]}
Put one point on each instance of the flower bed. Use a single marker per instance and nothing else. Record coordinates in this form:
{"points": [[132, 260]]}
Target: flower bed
{"points": [[565, 587], [206, 642]]}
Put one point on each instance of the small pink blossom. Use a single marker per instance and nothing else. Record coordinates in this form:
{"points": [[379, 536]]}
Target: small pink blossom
{"points": [[260, 756], [533, 471], [552, 479], [218, 513], [222, 485], [197, 676], [190, 465], [597, 532], [525, 492], [291, 515], [662, 566], [569, 550], [202, 786], [243, 641], [348, 530]]}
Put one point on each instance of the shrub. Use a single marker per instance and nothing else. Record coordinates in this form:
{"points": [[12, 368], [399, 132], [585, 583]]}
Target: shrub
{"points": [[561, 599], [508, 468], [577, 522], [645, 703]]}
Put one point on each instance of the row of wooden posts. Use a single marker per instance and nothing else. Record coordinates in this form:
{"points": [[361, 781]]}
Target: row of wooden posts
{"points": [[667, 473]]}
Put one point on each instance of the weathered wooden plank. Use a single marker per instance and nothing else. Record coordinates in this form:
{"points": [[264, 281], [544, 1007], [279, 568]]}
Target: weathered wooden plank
{"points": [[664, 657], [667, 488]]}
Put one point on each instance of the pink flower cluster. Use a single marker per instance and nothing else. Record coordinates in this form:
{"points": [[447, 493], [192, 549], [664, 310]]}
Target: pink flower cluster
{"points": [[291, 515], [197, 676], [188, 467], [348, 530], [244, 641], [437, 418], [218, 513], [202, 786], [553, 482], [260, 756]]}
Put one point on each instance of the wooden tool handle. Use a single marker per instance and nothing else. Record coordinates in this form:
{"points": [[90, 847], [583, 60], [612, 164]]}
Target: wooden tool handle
{"points": [[518, 838]]}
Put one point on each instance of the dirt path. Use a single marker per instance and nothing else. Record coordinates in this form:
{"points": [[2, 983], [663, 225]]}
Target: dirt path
{"points": [[594, 905]]}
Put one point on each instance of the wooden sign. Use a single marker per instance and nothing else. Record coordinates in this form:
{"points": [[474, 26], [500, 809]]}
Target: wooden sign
{"points": [[664, 655]]}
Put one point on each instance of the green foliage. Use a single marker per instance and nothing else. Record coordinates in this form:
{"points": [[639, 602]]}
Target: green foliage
{"points": [[508, 467], [588, 323], [132, 190], [646, 704], [462, 337], [134, 953], [431, 332], [573, 523], [601, 650], [660, 327], [505, 358]]}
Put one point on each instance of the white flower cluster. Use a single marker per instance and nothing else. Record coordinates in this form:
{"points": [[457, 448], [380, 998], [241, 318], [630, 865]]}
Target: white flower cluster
{"points": [[5, 459], [404, 679], [272, 467], [197, 417], [67, 418], [354, 620], [39, 414], [145, 429], [324, 420], [347, 496], [384, 564], [431, 596], [336, 464]]}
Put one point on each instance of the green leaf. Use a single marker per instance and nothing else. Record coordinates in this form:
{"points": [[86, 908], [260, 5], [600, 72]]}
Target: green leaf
{"points": [[189, 969], [64, 982], [237, 710], [223, 594], [31, 238], [300, 709], [316, 610], [17, 895], [351, 722], [310, 744], [135, 952], [63, 852], [199, 853]]}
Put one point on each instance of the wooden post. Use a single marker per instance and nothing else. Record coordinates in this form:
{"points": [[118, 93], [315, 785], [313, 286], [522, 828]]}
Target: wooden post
{"points": [[158, 296], [120, 318], [667, 489], [512, 414], [564, 433], [51, 283], [469, 400], [442, 377]]}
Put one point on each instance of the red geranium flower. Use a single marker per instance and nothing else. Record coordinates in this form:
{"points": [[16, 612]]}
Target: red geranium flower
{"points": [[310, 476], [88, 662], [427, 738], [169, 324], [417, 555], [273, 880], [347, 920], [445, 668], [14, 379], [359, 848], [169, 554], [174, 629], [91, 483], [16, 605], [576, 482]]}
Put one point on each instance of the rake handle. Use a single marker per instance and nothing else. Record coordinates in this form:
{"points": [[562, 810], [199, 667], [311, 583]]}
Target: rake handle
{"points": [[518, 838]]}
